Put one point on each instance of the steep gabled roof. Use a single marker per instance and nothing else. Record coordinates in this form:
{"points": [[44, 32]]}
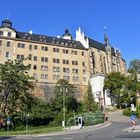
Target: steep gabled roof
{"points": [[51, 40], [99, 46], [96, 44]]}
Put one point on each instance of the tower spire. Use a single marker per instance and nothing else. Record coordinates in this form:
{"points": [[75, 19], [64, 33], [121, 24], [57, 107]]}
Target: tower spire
{"points": [[7, 15], [105, 37]]}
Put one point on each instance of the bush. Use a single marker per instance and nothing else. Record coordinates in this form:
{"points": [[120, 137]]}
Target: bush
{"points": [[128, 112], [88, 119]]}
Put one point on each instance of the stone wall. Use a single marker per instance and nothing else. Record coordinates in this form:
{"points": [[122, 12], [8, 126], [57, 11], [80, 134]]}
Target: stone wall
{"points": [[45, 91]]}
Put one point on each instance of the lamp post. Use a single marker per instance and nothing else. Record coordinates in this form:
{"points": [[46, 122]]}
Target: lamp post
{"points": [[26, 116], [63, 90]]}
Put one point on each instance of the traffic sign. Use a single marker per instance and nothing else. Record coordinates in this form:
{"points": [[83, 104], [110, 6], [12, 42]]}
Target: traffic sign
{"points": [[8, 121]]}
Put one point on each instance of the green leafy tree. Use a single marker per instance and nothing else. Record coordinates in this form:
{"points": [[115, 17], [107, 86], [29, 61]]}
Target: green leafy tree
{"points": [[115, 83], [40, 113], [56, 103], [68, 91], [15, 85], [134, 66], [89, 103], [133, 87]]}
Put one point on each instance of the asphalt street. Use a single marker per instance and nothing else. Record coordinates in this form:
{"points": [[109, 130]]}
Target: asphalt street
{"points": [[114, 131], [107, 131]]}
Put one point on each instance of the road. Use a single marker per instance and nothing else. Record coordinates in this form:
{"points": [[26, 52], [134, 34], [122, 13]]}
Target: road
{"points": [[108, 131]]}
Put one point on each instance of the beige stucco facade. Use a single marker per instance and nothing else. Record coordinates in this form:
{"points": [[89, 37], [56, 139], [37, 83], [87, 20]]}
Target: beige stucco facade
{"points": [[59, 59]]}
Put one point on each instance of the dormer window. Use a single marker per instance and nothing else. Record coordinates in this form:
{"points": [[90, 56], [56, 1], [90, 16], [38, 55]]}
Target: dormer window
{"points": [[1, 33], [9, 34]]}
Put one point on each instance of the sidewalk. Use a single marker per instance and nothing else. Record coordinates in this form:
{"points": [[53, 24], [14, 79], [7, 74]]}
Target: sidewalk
{"points": [[74, 130]]}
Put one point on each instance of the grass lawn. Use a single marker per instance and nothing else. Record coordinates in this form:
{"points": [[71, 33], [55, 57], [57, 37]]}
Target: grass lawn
{"points": [[32, 130]]}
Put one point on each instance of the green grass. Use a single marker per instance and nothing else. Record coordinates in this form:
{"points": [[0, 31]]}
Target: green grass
{"points": [[32, 130]]}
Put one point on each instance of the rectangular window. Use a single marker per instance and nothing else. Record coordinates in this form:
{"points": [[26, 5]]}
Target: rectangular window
{"points": [[8, 44], [44, 76], [7, 55], [66, 70], [44, 68], [30, 47], [0, 42], [56, 77], [35, 58], [55, 50], [82, 53], [21, 45], [65, 51], [1, 33], [65, 61], [83, 63], [44, 59], [75, 79], [9, 34], [35, 47], [56, 69], [35, 67], [30, 57], [20, 57], [35, 75], [74, 62], [44, 48], [74, 52], [55, 60], [84, 71], [75, 71]]}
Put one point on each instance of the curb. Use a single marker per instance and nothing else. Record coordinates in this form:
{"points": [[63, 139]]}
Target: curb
{"points": [[130, 129], [90, 128]]}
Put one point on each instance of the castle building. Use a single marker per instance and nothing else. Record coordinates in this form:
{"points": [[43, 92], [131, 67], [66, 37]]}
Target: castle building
{"points": [[54, 58]]}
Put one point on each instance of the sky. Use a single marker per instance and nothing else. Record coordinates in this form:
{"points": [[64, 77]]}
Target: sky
{"points": [[51, 17]]}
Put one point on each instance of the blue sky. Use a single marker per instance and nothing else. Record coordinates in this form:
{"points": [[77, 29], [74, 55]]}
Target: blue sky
{"points": [[51, 17]]}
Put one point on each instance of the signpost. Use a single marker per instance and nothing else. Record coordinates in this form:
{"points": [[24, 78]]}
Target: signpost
{"points": [[133, 107], [132, 117], [8, 123]]}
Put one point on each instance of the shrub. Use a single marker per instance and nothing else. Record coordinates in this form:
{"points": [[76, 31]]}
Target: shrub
{"points": [[88, 119], [128, 112]]}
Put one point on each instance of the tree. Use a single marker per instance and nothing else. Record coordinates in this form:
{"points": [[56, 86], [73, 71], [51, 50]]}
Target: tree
{"points": [[115, 83], [134, 65], [71, 102], [40, 113], [15, 85], [133, 87], [89, 103], [56, 103]]}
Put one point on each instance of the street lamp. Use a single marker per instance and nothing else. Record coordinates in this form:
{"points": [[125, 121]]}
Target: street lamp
{"points": [[63, 90], [26, 116]]}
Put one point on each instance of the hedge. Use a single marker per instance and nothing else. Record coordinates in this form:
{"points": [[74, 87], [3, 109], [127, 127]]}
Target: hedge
{"points": [[88, 118]]}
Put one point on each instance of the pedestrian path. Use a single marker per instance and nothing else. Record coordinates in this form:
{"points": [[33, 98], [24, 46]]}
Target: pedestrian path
{"points": [[118, 116]]}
